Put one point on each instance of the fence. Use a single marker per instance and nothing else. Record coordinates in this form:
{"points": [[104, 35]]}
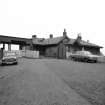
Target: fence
{"points": [[31, 54], [24, 53]]}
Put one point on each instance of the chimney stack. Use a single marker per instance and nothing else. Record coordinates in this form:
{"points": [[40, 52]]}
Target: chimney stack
{"points": [[64, 33], [88, 41], [51, 36], [34, 36], [79, 37]]}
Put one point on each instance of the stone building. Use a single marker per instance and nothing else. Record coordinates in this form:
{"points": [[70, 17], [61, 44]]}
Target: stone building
{"points": [[78, 44], [56, 47], [51, 47]]}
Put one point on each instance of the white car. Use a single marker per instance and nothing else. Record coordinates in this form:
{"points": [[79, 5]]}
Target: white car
{"points": [[84, 56], [9, 58]]}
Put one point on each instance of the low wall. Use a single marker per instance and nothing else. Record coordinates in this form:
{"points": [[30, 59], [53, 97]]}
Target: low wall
{"points": [[101, 59], [68, 54]]}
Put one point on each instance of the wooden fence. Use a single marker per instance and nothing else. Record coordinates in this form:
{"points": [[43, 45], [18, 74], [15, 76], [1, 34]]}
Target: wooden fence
{"points": [[24, 53]]}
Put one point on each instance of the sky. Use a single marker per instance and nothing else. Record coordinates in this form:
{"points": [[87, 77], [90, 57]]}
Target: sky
{"points": [[24, 18]]}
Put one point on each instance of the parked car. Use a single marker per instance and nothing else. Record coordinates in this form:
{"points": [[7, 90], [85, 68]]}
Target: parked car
{"points": [[84, 56], [9, 58]]}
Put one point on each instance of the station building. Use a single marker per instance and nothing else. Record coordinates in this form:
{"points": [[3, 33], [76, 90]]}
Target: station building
{"points": [[56, 47]]}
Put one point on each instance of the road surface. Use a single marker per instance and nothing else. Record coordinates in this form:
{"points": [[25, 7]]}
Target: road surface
{"points": [[33, 82]]}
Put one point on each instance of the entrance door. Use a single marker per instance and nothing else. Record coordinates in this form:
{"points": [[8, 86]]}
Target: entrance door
{"points": [[61, 51]]}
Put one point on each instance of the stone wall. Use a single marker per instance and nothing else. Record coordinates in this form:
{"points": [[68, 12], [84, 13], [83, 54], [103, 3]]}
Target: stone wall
{"points": [[51, 51]]}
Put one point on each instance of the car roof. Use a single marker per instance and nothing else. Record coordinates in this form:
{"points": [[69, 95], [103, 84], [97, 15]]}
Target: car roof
{"points": [[83, 52]]}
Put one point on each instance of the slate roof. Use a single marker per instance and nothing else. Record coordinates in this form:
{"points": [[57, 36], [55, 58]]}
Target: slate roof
{"points": [[49, 41], [88, 44], [83, 43], [38, 41], [11, 38], [56, 40], [71, 41]]}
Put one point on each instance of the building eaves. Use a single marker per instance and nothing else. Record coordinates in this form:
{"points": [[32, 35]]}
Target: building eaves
{"points": [[5, 38], [84, 43]]}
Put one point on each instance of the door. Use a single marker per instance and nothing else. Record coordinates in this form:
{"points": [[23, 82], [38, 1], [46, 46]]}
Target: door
{"points": [[61, 51]]}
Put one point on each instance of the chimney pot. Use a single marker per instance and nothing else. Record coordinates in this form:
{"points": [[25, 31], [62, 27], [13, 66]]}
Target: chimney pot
{"points": [[79, 37], [51, 35], [64, 33], [34, 36], [88, 41]]}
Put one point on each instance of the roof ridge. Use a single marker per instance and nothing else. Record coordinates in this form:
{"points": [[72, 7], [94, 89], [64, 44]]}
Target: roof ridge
{"points": [[55, 37]]}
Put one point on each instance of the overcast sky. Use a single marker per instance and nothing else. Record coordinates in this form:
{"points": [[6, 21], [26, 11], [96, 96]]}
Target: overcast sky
{"points": [[24, 18]]}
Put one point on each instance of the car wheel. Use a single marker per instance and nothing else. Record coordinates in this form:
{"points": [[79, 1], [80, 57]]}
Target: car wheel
{"points": [[2, 64], [95, 61], [16, 63], [73, 58], [86, 60]]}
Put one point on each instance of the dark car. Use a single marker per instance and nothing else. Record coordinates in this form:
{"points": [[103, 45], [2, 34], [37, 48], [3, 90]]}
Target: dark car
{"points": [[84, 56]]}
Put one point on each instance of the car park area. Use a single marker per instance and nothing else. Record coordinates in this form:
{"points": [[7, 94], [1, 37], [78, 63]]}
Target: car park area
{"points": [[52, 82]]}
